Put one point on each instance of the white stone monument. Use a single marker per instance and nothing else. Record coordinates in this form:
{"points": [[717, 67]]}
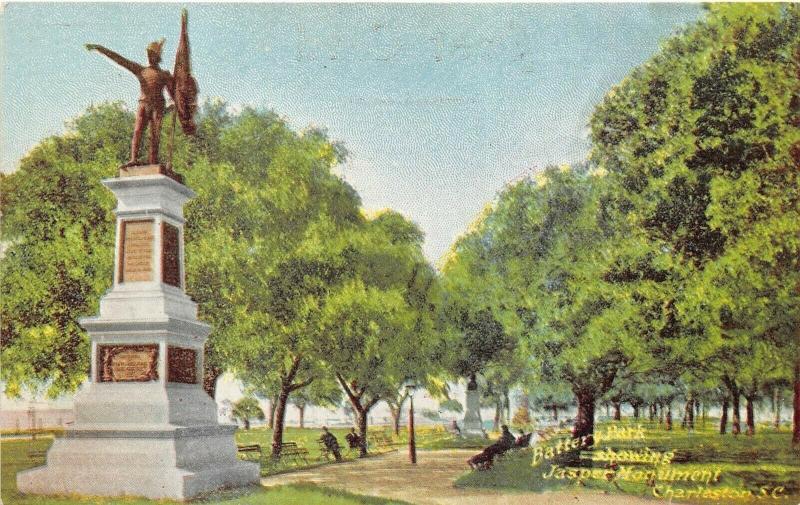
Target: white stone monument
{"points": [[473, 425], [144, 426]]}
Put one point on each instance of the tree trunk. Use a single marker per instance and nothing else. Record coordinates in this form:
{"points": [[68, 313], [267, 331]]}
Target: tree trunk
{"points": [[796, 405], [617, 411], [280, 416], [525, 404], [271, 413], [690, 414], [246, 423], [736, 427], [395, 419], [301, 410], [686, 409], [749, 413], [508, 407], [651, 412], [668, 426], [608, 410], [705, 413], [498, 409], [555, 412], [776, 395], [210, 375], [723, 420], [584, 421], [660, 413], [635, 411], [361, 416]]}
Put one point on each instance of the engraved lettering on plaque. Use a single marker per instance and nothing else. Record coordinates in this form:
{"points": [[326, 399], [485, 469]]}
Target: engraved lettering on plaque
{"points": [[181, 365], [170, 255], [127, 363], [137, 251]]}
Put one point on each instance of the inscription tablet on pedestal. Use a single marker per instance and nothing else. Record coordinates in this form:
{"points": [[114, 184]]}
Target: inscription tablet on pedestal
{"points": [[137, 251], [170, 255], [127, 363], [181, 365]]}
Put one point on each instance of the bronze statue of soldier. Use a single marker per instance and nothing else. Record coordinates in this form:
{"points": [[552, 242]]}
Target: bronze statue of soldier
{"points": [[150, 112]]}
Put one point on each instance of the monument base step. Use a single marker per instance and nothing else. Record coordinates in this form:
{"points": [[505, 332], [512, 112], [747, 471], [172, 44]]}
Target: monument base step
{"points": [[153, 483], [178, 466]]}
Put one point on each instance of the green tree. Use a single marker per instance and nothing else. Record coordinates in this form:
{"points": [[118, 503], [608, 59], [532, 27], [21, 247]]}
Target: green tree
{"points": [[58, 234], [551, 397], [376, 330], [323, 392], [578, 315], [275, 259], [703, 145], [246, 409], [471, 309]]}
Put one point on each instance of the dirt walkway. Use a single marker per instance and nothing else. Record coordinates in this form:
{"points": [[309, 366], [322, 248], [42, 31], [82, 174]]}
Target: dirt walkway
{"points": [[430, 482]]}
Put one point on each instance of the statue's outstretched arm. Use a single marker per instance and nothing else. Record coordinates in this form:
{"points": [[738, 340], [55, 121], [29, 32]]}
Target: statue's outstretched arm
{"points": [[132, 66]]}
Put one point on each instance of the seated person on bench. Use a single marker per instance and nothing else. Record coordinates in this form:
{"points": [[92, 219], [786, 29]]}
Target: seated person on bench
{"points": [[506, 438], [331, 443], [353, 440], [485, 458]]}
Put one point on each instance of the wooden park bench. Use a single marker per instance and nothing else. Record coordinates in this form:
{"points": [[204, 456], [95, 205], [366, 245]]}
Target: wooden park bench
{"points": [[249, 450], [381, 441], [291, 450]]}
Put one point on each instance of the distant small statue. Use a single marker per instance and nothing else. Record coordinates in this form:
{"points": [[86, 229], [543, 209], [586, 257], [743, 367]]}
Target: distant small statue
{"points": [[181, 87]]}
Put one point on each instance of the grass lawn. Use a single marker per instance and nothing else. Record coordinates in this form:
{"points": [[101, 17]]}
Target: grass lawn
{"points": [[744, 463], [436, 438], [15, 457]]}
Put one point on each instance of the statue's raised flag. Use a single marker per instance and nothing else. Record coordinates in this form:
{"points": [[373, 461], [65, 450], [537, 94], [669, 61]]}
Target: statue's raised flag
{"points": [[185, 85]]}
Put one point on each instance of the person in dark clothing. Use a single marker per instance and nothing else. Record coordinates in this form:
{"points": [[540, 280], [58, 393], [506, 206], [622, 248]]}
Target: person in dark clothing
{"points": [[353, 440], [330, 442], [506, 438], [485, 459]]}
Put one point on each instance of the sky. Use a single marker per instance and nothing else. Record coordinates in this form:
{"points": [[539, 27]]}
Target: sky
{"points": [[439, 106]]}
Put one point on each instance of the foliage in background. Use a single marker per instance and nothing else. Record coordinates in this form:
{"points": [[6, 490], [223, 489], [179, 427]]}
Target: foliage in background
{"points": [[245, 409]]}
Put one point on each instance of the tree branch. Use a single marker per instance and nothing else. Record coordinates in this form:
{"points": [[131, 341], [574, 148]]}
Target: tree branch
{"points": [[287, 379], [300, 385], [353, 398]]}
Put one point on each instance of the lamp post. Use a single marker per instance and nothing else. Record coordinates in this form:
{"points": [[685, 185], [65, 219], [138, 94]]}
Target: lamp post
{"points": [[412, 443]]}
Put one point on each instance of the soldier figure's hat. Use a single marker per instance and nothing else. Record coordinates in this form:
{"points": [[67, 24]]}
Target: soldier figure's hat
{"points": [[155, 47]]}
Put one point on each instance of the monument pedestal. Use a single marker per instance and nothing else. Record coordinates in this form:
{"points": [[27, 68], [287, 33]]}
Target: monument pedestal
{"points": [[473, 425], [144, 426]]}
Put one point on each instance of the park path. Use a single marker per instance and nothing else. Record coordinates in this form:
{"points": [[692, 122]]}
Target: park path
{"points": [[430, 482]]}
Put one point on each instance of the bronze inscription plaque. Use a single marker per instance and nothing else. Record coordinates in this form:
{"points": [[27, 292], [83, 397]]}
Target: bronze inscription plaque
{"points": [[170, 255], [127, 363], [181, 365], [137, 251]]}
